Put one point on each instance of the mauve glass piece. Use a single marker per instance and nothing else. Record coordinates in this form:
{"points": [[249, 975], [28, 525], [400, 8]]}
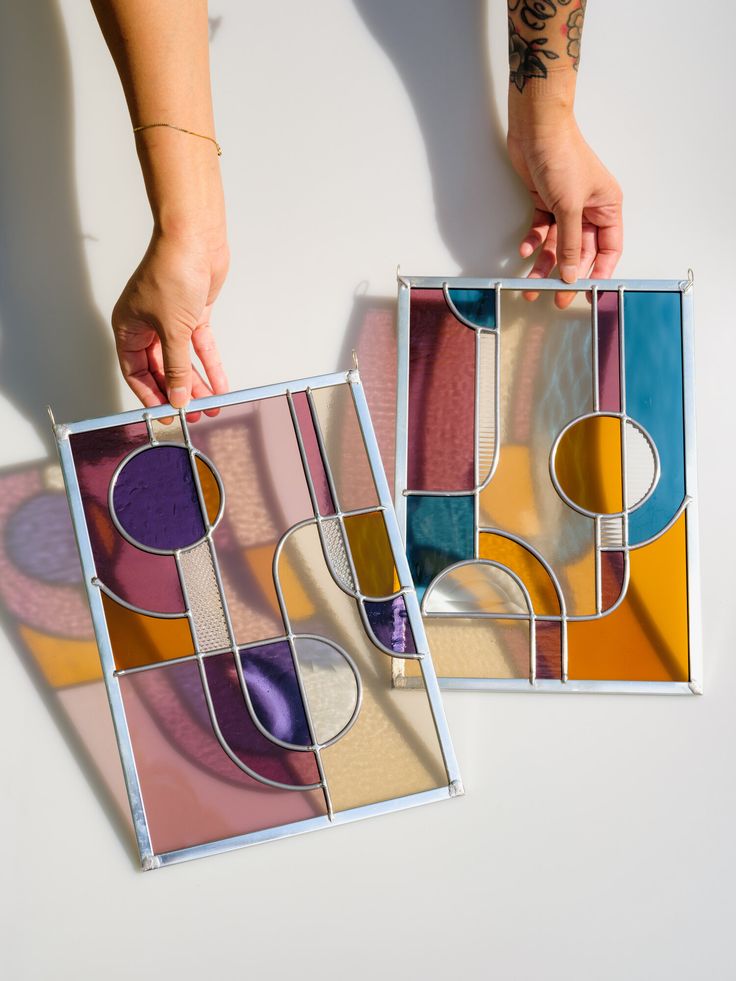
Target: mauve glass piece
{"points": [[142, 578], [609, 380], [240, 732], [274, 691], [441, 429], [314, 455], [549, 649], [654, 399], [389, 621], [477, 306], [193, 792], [155, 499], [612, 577]]}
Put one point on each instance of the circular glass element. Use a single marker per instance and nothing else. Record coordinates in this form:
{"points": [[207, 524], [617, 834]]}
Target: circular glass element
{"points": [[155, 499], [588, 464], [40, 540]]}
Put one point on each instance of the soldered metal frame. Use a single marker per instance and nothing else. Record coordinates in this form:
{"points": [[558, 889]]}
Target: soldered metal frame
{"points": [[95, 590], [685, 290]]}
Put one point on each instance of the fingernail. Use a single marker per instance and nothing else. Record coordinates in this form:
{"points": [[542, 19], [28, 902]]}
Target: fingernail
{"points": [[178, 397], [568, 273], [526, 250]]}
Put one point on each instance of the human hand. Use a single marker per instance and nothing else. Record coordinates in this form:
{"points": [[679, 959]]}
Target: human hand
{"points": [[577, 222], [164, 312]]}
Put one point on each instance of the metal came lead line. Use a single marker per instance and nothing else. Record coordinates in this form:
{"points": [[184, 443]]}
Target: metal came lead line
{"points": [[476, 450], [359, 595], [245, 691], [210, 705], [598, 581], [429, 680], [595, 354]]}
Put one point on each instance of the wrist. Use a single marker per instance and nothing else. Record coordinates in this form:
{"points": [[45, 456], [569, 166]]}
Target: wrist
{"points": [[544, 106], [184, 186]]}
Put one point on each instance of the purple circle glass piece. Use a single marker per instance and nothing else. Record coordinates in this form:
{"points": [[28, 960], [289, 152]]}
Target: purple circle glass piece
{"points": [[155, 499]]}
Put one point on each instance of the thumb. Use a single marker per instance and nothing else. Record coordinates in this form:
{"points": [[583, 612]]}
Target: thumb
{"points": [[569, 237], [177, 366]]}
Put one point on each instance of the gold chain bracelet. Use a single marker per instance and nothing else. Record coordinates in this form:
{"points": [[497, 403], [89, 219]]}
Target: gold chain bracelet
{"points": [[180, 129]]}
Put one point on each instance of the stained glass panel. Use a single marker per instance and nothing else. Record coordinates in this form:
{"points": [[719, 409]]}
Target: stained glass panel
{"points": [[545, 483], [249, 594]]}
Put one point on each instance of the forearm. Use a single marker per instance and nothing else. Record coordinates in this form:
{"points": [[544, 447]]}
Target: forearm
{"points": [[161, 51], [544, 53]]}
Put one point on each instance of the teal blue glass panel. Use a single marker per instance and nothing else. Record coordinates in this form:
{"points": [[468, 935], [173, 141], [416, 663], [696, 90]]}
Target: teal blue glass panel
{"points": [[653, 370], [477, 306], [439, 531]]}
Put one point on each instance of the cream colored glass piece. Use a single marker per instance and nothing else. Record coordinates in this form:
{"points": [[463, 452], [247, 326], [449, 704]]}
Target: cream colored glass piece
{"points": [[167, 434], [641, 464], [329, 684]]}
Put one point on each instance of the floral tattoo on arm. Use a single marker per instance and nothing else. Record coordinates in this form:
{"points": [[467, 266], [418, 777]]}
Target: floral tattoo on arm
{"points": [[528, 53]]}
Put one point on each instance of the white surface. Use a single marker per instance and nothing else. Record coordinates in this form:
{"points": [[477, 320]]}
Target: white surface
{"points": [[597, 838]]}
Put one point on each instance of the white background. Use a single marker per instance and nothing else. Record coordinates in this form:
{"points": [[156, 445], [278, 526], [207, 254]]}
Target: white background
{"points": [[598, 834]]}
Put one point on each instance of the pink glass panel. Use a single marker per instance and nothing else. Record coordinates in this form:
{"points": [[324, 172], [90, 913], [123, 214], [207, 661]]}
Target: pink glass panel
{"points": [[609, 385], [314, 456], [441, 396], [193, 792], [146, 580]]}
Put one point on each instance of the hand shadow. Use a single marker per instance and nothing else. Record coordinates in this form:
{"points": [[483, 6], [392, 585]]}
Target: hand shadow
{"points": [[57, 350], [56, 347], [440, 51]]}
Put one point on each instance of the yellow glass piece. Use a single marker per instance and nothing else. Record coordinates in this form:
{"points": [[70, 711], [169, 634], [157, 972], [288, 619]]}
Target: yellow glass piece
{"points": [[372, 556], [210, 490], [588, 464], [138, 640], [466, 648], [526, 566], [63, 662], [512, 491], [392, 749], [646, 637]]}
